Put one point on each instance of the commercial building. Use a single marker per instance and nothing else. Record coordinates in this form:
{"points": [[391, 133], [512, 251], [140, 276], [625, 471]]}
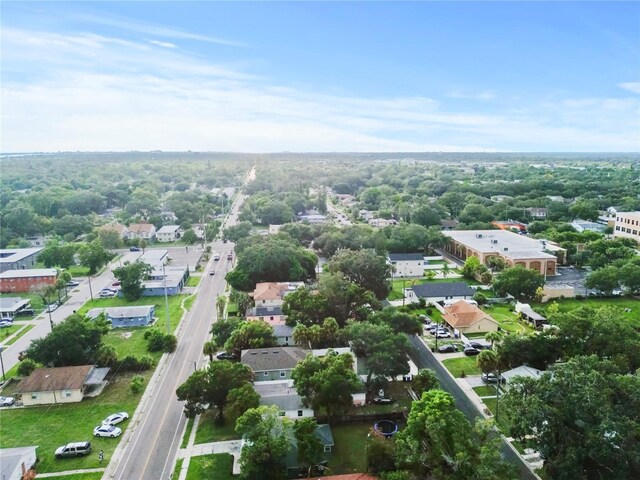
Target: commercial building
{"points": [[407, 264], [627, 225], [23, 280], [18, 258], [539, 255]]}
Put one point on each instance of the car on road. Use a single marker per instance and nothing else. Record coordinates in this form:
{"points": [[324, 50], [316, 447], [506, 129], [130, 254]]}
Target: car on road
{"points": [[7, 401], [230, 256], [6, 323], [212, 273], [115, 418], [225, 356], [470, 351], [216, 257], [22, 355], [491, 378], [134, 249], [74, 449], [448, 348], [107, 431], [73, 283], [52, 307]]}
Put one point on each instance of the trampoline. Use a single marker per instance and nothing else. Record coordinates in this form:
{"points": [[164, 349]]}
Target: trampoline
{"points": [[388, 428]]}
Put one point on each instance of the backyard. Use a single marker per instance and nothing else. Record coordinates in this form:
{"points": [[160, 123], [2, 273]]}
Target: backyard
{"points": [[51, 426], [348, 454], [507, 319]]}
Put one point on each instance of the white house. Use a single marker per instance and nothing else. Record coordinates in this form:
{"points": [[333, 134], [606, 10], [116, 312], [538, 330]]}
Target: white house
{"points": [[144, 231], [168, 233], [283, 395], [10, 306], [439, 292], [407, 264], [522, 371]]}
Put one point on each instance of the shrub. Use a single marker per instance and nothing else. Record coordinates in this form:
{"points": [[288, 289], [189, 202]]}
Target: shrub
{"points": [[26, 367], [429, 310], [131, 363], [158, 341], [480, 298], [137, 384]]}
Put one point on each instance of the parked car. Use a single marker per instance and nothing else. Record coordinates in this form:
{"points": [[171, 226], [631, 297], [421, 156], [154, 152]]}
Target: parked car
{"points": [[448, 348], [134, 249], [115, 418], [107, 431], [382, 400], [52, 307], [75, 449], [116, 283], [7, 401], [6, 323], [26, 312], [224, 240], [225, 356], [107, 293], [441, 334], [479, 346], [73, 283], [491, 378], [230, 256], [470, 351]]}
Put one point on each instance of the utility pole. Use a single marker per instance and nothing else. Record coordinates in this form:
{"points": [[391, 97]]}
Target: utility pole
{"points": [[4, 379], [90, 290]]}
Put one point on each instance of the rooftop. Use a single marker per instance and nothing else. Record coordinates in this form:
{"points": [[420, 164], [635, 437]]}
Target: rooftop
{"points": [[13, 303], [59, 378], [122, 312], [274, 358], [453, 289], [405, 257], [463, 314], [10, 255], [264, 311], [502, 241], [141, 227], [169, 229], [33, 272]]}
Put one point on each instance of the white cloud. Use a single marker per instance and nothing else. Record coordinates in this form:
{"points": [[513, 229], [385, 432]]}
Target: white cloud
{"points": [[163, 44], [91, 92], [471, 96], [631, 86]]}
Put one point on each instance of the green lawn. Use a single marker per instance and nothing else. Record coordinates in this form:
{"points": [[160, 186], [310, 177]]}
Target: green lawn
{"points": [[232, 309], [217, 466], [348, 454], [78, 271], [485, 391], [22, 329], [507, 319], [51, 426], [176, 471], [188, 302], [458, 366], [194, 280], [187, 433], [502, 422], [81, 476], [620, 302], [208, 431]]}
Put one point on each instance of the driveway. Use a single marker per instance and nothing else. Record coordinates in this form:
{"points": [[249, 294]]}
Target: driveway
{"points": [[475, 381]]}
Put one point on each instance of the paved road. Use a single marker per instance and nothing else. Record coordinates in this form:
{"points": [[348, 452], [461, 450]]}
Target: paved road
{"points": [[150, 449], [423, 358]]}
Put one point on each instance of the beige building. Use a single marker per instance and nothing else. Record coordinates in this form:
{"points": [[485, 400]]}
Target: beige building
{"points": [[540, 255], [468, 318], [59, 385], [627, 225], [271, 294]]}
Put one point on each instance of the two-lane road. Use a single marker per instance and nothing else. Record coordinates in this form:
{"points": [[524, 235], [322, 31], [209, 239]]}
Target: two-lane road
{"points": [[149, 449]]}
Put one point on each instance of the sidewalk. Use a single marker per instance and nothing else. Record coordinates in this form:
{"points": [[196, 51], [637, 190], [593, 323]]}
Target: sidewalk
{"points": [[232, 447], [69, 472]]}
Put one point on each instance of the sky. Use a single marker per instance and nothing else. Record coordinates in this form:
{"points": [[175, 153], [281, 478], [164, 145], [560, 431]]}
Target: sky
{"points": [[326, 76]]}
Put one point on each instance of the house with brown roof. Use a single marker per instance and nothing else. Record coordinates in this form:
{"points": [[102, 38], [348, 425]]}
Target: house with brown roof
{"points": [[468, 318], [115, 227], [144, 231], [60, 384], [271, 294]]}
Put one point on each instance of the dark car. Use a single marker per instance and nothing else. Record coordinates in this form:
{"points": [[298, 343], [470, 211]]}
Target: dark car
{"points": [[212, 272], [134, 249], [479, 346], [225, 356], [447, 349], [224, 240], [470, 351], [76, 449], [491, 378]]}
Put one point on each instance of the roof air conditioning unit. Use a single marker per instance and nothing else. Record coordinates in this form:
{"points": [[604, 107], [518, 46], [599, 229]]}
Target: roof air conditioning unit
{"points": [[505, 249], [494, 241], [478, 235]]}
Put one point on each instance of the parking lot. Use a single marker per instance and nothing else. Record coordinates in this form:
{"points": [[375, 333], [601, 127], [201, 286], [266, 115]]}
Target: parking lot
{"points": [[570, 276]]}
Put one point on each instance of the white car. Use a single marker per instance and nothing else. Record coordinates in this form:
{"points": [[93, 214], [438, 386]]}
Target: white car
{"points": [[107, 431], [52, 307], [107, 293], [443, 335], [115, 418], [5, 323], [7, 401]]}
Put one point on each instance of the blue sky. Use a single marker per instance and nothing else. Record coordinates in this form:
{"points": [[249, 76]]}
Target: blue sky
{"points": [[329, 76]]}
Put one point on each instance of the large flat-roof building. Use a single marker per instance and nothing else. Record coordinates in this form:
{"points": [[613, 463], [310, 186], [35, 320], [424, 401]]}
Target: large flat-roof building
{"points": [[627, 225], [515, 249], [23, 280], [18, 258]]}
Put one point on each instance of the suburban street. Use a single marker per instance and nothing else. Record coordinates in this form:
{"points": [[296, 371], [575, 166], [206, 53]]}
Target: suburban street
{"points": [[149, 447]]}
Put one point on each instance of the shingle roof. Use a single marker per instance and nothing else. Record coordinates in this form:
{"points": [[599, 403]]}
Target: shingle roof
{"points": [[274, 358], [264, 311], [141, 227], [282, 331], [463, 314], [453, 289], [269, 291], [59, 378], [404, 257]]}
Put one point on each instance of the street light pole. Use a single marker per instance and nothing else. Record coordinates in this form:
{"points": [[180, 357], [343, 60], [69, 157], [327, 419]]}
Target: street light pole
{"points": [[90, 290], [4, 379]]}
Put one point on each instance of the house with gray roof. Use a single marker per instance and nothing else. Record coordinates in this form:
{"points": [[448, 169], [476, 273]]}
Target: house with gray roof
{"points": [[407, 264], [126, 317], [522, 371], [283, 395], [283, 334], [439, 292], [10, 307], [274, 363], [16, 462], [273, 315]]}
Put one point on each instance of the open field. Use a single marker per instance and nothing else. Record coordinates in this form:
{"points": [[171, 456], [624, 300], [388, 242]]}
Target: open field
{"points": [[50, 426], [566, 305]]}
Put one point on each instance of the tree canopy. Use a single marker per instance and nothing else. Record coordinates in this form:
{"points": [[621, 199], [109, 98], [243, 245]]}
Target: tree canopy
{"points": [[518, 281], [131, 276]]}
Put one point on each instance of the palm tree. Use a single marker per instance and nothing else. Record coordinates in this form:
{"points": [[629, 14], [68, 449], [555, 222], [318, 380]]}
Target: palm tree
{"points": [[220, 303], [494, 337], [210, 348], [446, 270], [487, 361]]}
